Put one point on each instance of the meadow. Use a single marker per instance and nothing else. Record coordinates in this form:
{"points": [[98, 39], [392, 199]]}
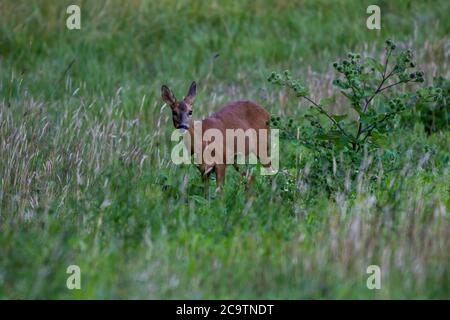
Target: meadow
{"points": [[86, 176]]}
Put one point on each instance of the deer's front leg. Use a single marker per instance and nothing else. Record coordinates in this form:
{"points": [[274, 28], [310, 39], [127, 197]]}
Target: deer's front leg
{"points": [[220, 174], [206, 185]]}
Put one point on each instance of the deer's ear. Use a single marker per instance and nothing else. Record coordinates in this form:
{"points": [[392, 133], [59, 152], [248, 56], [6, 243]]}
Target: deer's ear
{"points": [[167, 95], [191, 93]]}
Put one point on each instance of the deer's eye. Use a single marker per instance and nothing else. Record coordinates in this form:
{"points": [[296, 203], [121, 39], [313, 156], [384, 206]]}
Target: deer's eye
{"points": [[190, 112]]}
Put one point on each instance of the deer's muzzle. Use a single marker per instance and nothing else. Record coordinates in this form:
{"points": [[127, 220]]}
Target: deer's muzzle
{"points": [[183, 126]]}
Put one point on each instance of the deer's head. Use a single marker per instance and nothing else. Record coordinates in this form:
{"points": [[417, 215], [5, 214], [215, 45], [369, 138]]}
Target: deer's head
{"points": [[181, 110]]}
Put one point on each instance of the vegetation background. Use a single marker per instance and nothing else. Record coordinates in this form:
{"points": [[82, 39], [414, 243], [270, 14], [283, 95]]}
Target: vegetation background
{"points": [[86, 176]]}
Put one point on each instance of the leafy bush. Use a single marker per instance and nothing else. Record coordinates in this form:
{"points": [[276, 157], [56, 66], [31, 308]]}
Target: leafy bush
{"points": [[432, 107], [369, 86]]}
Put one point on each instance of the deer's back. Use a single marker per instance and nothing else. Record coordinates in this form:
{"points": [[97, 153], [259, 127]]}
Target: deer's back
{"points": [[239, 115]]}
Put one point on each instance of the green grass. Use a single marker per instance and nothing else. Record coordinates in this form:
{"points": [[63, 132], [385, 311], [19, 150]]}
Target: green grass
{"points": [[86, 176]]}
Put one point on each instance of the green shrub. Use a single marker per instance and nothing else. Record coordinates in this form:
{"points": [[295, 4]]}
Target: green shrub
{"points": [[371, 89], [432, 107]]}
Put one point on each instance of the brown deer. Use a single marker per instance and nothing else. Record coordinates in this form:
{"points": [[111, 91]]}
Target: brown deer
{"points": [[242, 115]]}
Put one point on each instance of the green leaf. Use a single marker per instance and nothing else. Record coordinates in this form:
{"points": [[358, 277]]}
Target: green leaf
{"points": [[329, 137], [327, 101], [341, 84], [339, 117], [348, 95], [357, 108], [368, 93], [368, 118], [379, 138], [200, 200], [365, 77]]}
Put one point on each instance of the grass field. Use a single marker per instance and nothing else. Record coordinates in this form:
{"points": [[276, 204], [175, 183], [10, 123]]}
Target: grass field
{"points": [[86, 177]]}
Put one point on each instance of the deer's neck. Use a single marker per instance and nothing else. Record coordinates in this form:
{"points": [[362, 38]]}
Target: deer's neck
{"points": [[191, 136]]}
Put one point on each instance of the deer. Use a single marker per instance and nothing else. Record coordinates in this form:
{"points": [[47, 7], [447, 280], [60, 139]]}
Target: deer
{"points": [[242, 115]]}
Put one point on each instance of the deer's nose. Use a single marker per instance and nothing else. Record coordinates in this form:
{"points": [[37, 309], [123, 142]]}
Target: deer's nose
{"points": [[183, 126]]}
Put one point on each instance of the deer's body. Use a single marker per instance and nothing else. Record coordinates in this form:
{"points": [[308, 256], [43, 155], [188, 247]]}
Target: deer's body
{"points": [[238, 115], [242, 115]]}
